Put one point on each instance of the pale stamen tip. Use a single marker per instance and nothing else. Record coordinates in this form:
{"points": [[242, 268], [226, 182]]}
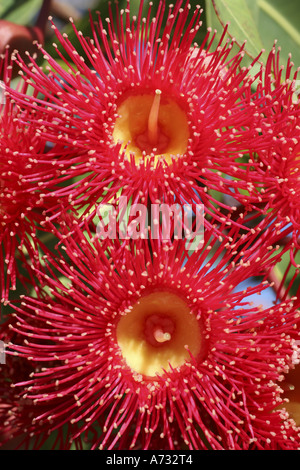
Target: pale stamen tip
{"points": [[160, 336]]}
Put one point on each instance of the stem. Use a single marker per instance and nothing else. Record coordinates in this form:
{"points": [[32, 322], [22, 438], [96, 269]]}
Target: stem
{"points": [[43, 15]]}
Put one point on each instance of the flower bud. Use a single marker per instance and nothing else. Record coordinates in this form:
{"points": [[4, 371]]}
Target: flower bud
{"points": [[20, 38]]}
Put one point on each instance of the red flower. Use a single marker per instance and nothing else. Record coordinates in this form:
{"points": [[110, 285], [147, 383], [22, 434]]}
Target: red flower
{"points": [[17, 413], [19, 198], [27, 170], [149, 115], [23, 38], [277, 175], [275, 190], [155, 348]]}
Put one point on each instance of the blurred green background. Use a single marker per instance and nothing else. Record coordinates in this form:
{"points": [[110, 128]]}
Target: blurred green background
{"points": [[260, 22]]}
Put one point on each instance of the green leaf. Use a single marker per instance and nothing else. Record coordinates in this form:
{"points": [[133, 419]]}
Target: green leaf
{"points": [[260, 23], [281, 268], [20, 12], [4, 6], [280, 20], [242, 20]]}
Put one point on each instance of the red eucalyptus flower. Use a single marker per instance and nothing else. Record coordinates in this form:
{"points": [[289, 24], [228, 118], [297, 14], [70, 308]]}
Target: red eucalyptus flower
{"points": [[16, 413], [27, 169], [277, 174], [275, 188], [147, 112], [141, 346], [14, 410], [21, 38], [20, 198]]}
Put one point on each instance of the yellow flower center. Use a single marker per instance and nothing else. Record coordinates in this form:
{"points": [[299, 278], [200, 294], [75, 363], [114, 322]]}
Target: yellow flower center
{"points": [[158, 333], [150, 125]]}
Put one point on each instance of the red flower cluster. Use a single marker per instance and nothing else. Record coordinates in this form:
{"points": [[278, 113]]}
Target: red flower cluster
{"points": [[206, 120], [148, 342], [29, 182], [88, 333], [278, 167]]}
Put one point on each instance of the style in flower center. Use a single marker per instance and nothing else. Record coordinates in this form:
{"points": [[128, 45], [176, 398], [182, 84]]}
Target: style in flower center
{"points": [[150, 125], [158, 334]]}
